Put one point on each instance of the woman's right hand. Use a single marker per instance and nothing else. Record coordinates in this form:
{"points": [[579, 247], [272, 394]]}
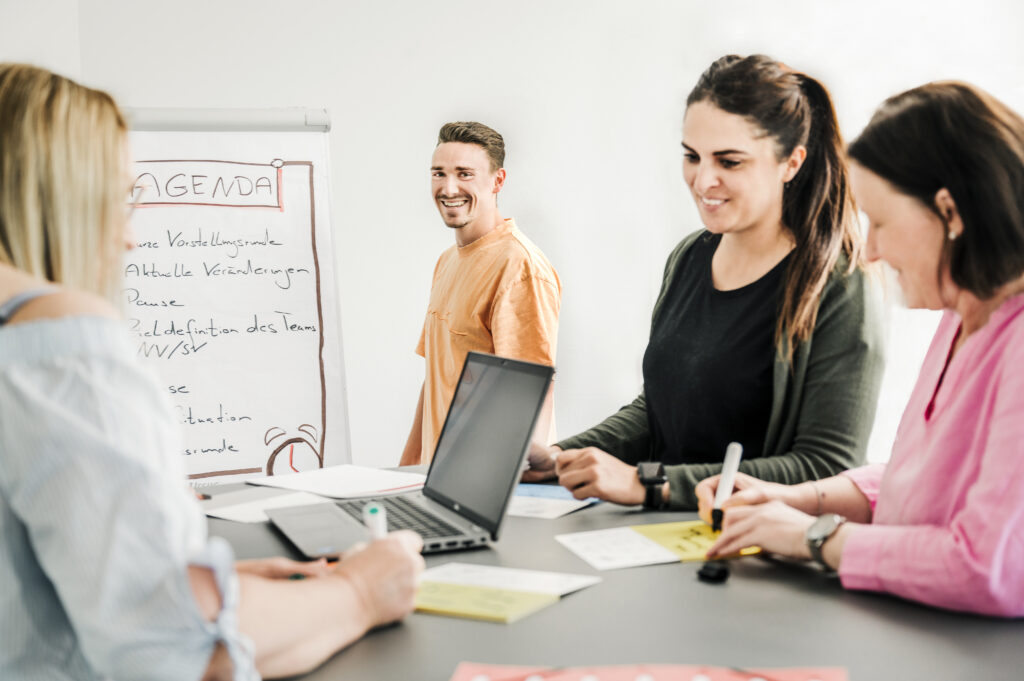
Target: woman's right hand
{"points": [[749, 491], [385, 575]]}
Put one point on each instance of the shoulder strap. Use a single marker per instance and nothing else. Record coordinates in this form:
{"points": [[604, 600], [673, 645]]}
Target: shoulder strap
{"points": [[10, 307]]}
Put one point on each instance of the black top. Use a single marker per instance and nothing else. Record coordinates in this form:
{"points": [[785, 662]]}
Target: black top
{"points": [[708, 366]]}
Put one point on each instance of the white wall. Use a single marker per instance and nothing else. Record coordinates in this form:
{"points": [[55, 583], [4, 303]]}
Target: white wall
{"points": [[42, 32], [589, 96]]}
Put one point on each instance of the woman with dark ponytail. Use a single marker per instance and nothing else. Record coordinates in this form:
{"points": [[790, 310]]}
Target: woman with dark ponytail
{"points": [[766, 331]]}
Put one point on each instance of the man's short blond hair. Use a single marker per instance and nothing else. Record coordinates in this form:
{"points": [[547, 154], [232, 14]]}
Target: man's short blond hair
{"points": [[471, 132]]}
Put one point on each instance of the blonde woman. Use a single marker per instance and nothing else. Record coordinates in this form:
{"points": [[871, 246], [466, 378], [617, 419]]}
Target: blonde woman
{"points": [[106, 570]]}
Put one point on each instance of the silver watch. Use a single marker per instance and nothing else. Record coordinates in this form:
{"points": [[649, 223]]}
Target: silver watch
{"points": [[819, 532]]}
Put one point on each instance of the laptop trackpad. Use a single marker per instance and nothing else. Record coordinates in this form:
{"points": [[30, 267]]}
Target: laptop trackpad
{"points": [[318, 531]]}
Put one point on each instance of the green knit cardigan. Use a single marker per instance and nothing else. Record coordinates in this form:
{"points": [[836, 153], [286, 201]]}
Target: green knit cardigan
{"points": [[823, 402]]}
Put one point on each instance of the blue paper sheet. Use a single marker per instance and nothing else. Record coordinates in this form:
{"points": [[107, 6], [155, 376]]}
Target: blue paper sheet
{"points": [[526, 489]]}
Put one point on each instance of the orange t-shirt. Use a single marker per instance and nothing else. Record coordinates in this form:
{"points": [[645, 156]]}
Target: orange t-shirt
{"points": [[499, 295]]}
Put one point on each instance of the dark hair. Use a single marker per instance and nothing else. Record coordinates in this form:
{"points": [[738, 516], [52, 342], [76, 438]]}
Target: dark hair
{"points": [[955, 136], [471, 132], [817, 206]]}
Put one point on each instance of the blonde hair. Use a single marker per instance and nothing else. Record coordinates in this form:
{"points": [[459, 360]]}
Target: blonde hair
{"points": [[63, 185]]}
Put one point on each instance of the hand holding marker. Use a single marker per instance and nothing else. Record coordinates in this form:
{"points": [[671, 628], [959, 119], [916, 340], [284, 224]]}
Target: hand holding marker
{"points": [[376, 520], [733, 454], [716, 571]]}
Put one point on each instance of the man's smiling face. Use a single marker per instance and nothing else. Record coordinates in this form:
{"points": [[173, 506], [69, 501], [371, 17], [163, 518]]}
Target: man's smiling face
{"points": [[463, 184]]}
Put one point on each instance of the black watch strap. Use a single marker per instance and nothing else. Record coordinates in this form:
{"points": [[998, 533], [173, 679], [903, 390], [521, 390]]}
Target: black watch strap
{"points": [[654, 499], [652, 476]]}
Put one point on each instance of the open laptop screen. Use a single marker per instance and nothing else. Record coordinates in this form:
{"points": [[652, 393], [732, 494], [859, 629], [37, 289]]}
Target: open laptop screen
{"points": [[488, 428]]}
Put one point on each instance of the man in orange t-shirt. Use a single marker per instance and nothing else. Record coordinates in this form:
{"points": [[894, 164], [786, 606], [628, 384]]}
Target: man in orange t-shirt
{"points": [[493, 291]]}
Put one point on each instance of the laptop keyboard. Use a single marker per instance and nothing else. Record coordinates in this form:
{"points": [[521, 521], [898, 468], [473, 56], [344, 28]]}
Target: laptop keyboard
{"points": [[404, 514]]}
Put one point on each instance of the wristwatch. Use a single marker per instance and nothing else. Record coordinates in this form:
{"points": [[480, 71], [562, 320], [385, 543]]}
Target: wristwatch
{"points": [[819, 532], [652, 477]]}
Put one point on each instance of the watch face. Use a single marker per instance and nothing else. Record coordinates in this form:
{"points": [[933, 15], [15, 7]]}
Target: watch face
{"points": [[651, 471], [823, 527]]}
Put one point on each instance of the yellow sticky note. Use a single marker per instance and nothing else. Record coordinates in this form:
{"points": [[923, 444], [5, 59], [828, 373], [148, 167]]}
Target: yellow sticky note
{"points": [[690, 539], [478, 602]]}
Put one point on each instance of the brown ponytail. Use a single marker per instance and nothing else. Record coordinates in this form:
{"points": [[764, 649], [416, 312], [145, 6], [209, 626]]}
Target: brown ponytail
{"points": [[817, 207]]}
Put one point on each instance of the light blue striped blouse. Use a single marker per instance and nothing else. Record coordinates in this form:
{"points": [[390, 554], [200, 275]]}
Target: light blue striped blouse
{"points": [[97, 524]]}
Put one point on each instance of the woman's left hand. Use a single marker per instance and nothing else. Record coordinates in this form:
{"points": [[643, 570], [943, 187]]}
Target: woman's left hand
{"points": [[280, 567], [591, 472], [774, 526], [541, 462]]}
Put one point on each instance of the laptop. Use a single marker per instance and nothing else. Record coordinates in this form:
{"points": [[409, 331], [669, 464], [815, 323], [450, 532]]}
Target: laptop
{"points": [[476, 465]]}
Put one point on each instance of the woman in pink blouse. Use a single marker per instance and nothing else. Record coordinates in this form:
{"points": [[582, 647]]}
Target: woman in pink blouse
{"points": [[939, 171]]}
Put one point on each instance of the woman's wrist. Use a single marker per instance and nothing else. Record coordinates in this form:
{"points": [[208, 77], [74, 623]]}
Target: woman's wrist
{"points": [[806, 497], [356, 592], [832, 549]]}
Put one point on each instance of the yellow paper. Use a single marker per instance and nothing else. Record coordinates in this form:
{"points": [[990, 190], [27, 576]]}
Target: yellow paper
{"points": [[690, 540], [477, 602]]}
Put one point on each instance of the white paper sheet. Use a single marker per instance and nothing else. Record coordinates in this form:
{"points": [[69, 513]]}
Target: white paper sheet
{"points": [[252, 511], [538, 507], [346, 482], [533, 581], [620, 547]]}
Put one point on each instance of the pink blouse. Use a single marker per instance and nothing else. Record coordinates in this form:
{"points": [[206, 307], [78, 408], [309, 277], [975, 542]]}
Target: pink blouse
{"points": [[948, 523]]}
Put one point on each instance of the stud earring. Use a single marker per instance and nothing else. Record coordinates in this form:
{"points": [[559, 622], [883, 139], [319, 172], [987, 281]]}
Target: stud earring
{"points": [[953, 235]]}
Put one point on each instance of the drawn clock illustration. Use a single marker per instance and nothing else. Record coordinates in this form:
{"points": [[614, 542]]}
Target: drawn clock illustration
{"points": [[294, 453]]}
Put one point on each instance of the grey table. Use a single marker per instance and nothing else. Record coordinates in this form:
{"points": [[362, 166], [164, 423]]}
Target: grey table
{"points": [[768, 614]]}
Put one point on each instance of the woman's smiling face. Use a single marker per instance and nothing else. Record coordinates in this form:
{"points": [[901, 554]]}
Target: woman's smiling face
{"points": [[907, 235], [733, 170]]}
